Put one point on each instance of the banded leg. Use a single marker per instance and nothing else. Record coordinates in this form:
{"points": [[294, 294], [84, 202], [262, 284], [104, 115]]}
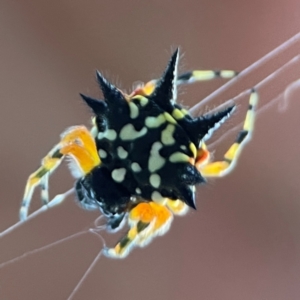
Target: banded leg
{"points": [[204, 75], [76, 143], [221, 168], [146, 220], [185, 78]]}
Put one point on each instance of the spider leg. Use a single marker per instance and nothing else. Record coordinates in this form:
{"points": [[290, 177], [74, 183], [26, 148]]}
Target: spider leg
{"points": [[221, 168], [186, 78], [76, 143], [44, 185], [204, 75], [146, 220]]}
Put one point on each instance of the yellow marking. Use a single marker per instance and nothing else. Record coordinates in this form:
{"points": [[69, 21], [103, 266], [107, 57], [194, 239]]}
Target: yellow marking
{"points": [[102, 153], [111, 134], [214, 169], [118, 175], [134, 110], [232, 152], [149, 87], [184, 111], [122, 153], [154, 122], [143, 100], [204, 75], [227, 73], [158, 198], [169, 118], [193, 149], [250, 117], [128, 133], [177, 114], [177, 207], [132, 233], [253, 99], [156, 161], [155, 180], [136, 167], [167, 135], [179, 157], [94, 131]]}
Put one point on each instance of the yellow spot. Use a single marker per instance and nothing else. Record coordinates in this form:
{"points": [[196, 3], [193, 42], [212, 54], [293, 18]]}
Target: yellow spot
{"points": [[167, 135], [177, 114], [232, 152], [118, 175], [94, 131], [169, 118], [156, 161], [158, 198], [193, 149], [253, 99], [177, 207], [102, 153], [149, 87], [129, 133], [227, 73], [143, 100], [110, 134], [154, 122], [215, 169], [136, 167], [179, 157], [134, 110], [155, 180], [122, 153], [184, 111], [204, 75]]}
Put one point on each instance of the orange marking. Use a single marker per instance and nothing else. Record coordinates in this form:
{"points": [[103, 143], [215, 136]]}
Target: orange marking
{"points": [[214, 169], [81, 135], [162, 215], [142, 212], [202, 157], [81, 155], [146, 90]]}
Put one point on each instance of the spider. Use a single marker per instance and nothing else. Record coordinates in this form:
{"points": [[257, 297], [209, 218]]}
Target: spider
{"points": [[143, 157]]}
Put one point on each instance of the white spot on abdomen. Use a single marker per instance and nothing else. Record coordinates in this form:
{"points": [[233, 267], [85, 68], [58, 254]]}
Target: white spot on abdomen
{"points": [[155, 180], [134, 110], [129, 133], [118, 175], [156, 161], [102, 153], [110, 134], [122, 153], [136, 167], [167, 135]]}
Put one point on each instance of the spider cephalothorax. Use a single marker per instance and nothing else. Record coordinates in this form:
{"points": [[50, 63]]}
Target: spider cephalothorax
{"points": [[144, 155]]}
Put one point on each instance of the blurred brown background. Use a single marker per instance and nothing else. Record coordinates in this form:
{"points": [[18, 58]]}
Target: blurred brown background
{"points": [[244, 240]]}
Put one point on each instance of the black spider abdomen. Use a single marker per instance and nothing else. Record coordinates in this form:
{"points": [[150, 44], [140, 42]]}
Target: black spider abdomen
{"points": [[98, 188]]}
